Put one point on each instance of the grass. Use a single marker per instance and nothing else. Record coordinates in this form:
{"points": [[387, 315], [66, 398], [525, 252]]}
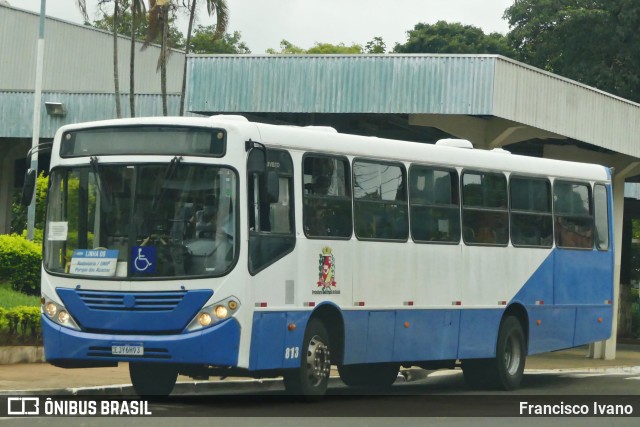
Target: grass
{"points": [[10, 298]]}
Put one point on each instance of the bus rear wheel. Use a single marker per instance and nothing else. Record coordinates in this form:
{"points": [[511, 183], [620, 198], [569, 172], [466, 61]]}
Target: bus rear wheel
{"points": [[506, 370], [310, 380], [372, 375], [152, 379]]}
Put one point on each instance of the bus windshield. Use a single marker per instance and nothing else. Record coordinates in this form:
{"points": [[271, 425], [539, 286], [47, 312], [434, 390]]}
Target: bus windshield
{"points": [[141, 221]]}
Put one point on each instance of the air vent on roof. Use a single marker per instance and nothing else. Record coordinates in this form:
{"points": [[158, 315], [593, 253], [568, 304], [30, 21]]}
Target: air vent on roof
{"points": [[500, 151], [322, 128], [230, 117], [457, 143]]}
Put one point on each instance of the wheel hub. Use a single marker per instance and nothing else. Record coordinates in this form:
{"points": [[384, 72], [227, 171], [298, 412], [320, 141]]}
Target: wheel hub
{"points": [[318, 361]]}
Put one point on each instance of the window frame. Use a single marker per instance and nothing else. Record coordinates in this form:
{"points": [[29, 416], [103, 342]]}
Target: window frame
{"points": [[531, 213], [483, 209], [348, 188], [595, 221], [457, 206], [403, 170], [260, 234], [556, 215]]}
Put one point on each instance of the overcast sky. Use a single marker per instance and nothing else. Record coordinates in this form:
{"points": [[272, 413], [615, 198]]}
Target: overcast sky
{"points": [[263, 24]]}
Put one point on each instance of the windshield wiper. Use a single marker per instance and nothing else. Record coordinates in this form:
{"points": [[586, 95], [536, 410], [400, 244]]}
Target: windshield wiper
{"points": [[168, 175], [103, 189]]}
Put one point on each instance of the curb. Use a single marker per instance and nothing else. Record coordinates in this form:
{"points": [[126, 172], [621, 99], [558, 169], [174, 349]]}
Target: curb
{"points": [[10, 355]]}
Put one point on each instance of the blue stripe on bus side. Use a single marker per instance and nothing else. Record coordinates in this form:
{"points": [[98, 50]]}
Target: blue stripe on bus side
{"points": [[572, 285]]}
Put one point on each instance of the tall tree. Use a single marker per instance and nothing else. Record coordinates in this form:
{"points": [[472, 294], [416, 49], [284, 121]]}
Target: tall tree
{"points": [[376, 45], [138, 9], [116, 78], [176, 38], [593, 41], [446, 37], [201, 42], [214, 7], [159, 24]]}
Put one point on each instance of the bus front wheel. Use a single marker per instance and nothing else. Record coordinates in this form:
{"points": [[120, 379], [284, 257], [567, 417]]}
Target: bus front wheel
{"points": [[152, 379], [310, 380], [506, 370]]}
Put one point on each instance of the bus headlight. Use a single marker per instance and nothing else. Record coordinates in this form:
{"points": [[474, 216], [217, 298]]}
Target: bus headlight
{"points": [[51, 309], [221, 312], [58, 313], [214, 313], [204, 319]]}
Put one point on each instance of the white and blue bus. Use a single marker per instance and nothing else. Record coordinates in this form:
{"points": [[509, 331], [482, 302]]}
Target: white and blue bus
{"points": [[218, 246]]}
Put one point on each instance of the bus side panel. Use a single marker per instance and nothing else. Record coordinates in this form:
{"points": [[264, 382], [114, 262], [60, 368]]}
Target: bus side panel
{"points": [[583, 277], [539, 287], [273, 345], [356, 325], [550, 328], [380, 336], [400, 335], [479, 333], [593, 324], [426, 335]]}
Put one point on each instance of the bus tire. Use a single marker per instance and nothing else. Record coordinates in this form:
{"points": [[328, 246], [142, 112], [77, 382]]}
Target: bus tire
{"points": [[371, 375], [506, 370], [310, 380], [152, 379], [511, 354]]}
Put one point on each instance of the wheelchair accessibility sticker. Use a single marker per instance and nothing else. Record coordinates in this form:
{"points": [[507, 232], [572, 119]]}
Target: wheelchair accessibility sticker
{"points": [[143, 259]]}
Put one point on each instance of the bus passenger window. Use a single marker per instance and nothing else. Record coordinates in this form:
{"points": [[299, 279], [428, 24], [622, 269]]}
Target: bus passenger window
{"points": [[573, 215], [435, 212], [602, 217], [484, 208], [531, 218], [380, 201], [326, 197]]}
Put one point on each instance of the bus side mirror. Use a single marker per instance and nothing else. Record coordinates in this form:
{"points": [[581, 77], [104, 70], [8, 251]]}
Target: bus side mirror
{"points": [[257, 162], [29, 187], [273, 187]]}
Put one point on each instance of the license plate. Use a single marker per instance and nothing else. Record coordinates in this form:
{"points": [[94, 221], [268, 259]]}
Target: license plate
{"points": [[128, 350]]}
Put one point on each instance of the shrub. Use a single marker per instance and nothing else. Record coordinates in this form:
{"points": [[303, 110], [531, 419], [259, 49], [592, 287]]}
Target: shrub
{"points": [[23, 321], [20, 262]]}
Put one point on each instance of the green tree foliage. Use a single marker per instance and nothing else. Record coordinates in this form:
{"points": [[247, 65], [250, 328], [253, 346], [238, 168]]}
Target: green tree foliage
{"points": [[377, 45], [19, 212], [176, 38], [287, 48], [595, 42], [202, 42], [445, 37]]}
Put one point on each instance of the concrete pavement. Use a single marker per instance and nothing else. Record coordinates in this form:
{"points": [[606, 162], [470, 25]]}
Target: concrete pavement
{"points": [[42, 378]]}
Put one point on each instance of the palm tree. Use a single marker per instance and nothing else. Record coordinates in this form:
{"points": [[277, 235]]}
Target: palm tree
{"points": [[159, 24], [82, 5], [138, 8], [217, 7], [116, 79]]}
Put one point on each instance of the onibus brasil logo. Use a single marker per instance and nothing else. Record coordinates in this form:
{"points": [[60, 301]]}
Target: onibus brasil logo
{"points": [[326, 273]]}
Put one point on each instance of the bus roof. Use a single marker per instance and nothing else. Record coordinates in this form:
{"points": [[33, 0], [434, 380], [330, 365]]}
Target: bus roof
{"points": [[324, 139]]}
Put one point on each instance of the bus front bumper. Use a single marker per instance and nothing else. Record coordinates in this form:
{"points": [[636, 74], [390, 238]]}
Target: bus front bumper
{"points": [[217, 345]]}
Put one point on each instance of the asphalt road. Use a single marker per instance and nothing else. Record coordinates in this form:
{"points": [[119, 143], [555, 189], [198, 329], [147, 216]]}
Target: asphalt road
{"points": [[442, 398]]}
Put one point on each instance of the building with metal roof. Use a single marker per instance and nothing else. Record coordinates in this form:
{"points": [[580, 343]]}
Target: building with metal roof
{"points": [[490, 100], [78, 75]]}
